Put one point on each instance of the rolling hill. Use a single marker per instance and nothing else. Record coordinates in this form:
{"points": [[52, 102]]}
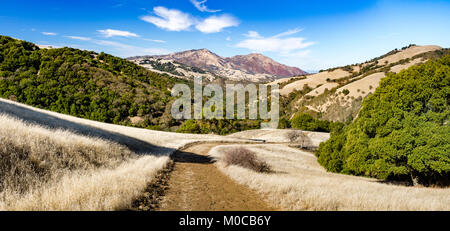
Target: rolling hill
{"points": [[336, 94], [85, 84]]}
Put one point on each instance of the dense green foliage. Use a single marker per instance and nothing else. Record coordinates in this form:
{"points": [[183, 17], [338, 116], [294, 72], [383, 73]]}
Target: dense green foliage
{"points": [[402, 131], [307, 122], [84, 84], [98, 87], [221, 127]]}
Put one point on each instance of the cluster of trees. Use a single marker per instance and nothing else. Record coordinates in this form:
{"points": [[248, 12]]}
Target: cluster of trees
{"points": [[221, 127], [84, 84], [307, 122], [95, 86], [402, 131]]}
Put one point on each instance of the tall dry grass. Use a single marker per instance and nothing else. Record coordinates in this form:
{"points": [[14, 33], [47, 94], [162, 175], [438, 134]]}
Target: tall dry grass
{"points": [[298, 182], [45, 169]]}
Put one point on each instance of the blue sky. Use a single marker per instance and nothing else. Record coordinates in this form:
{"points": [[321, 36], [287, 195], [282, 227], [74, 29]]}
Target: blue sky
{"points": [[312, 35]]}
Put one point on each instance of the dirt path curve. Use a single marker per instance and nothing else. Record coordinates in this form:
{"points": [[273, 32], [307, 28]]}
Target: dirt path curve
{"points": [[196, 184]]}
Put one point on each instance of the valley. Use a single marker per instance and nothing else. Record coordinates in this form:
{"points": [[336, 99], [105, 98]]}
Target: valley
{"points": [[90, 131]]}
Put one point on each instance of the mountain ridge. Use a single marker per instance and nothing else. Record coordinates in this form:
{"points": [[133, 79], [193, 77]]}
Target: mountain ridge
{"points": [[252, 67]]}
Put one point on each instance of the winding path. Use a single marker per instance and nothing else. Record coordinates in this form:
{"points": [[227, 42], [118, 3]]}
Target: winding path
{"points": [[196, 184]]}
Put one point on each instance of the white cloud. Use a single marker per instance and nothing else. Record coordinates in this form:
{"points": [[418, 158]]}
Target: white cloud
{"points": [[175, 20], [111, 33], [252, 34], [215, 24], [284, 46], [78, 38], [228, 38], [49, 33], [126, 50], [169, 19], [200, 5]]}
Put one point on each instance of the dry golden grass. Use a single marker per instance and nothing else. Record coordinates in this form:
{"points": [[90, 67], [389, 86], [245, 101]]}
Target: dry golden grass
{"points": [[95, 189], [300, 183], [314, 80], [408, 53], [45, 169], [54, 161], [137, 139]]}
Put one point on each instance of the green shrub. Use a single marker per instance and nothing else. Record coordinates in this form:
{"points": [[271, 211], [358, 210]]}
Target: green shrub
{"points": [[189, 126]]}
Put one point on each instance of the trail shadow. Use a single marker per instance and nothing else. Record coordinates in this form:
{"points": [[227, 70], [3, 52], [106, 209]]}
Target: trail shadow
{"points": [[52, 122], [396, 183], [189, 157]]}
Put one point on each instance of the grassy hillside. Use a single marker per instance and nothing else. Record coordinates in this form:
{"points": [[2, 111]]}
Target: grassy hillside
{"points": [[85, 84], [49, 169], [336, 94], [402, 131]]}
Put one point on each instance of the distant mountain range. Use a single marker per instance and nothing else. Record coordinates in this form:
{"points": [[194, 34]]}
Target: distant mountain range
{"points": [[253, 67]]}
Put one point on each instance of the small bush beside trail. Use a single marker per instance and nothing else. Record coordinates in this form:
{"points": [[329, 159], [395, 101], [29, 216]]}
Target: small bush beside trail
{"points": [[245, 158]]}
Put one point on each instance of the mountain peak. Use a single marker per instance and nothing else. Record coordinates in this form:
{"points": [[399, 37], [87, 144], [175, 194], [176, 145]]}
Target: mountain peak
{"points": [[257, 55], [236, 67]]}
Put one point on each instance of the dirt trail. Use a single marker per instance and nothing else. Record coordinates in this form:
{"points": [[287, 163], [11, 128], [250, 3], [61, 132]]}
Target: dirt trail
{"points": [[196, 184]]}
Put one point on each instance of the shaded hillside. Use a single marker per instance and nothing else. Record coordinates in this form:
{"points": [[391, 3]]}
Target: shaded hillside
{"points": [[85, 84], [402, 131]]}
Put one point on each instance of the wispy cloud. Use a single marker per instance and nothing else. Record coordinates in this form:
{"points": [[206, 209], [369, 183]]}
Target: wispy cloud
{"points": [[200, 5], [154, 40], [216, 24], [118, 5], [279, 43], [126, 50], [49, 33], [78, 38], [112, 44], [169, 19], [111, 33], [287, 33]]}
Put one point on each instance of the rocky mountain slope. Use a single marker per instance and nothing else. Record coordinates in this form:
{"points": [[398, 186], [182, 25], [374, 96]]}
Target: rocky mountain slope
{"points": [[252, 67]]}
